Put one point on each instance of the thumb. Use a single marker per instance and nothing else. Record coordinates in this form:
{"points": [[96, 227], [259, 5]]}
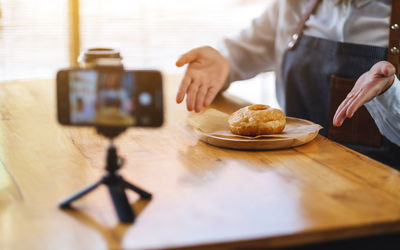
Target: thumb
{"points": [[187, 58], [387, 69]]}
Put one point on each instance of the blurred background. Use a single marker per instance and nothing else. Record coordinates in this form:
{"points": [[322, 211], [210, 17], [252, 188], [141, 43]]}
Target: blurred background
{"points": [[35, 34]]}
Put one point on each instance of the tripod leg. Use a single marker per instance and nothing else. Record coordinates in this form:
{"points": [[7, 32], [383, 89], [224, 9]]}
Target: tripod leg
{"points": [[66, 203], [143, 194], [121, 203]]}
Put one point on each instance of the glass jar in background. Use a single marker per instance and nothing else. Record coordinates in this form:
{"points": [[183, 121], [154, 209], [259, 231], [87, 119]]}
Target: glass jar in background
{"points": [[100, 57]]}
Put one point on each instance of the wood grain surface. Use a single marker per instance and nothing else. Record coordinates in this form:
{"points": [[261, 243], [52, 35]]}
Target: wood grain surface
{"points": [[203, 196]]}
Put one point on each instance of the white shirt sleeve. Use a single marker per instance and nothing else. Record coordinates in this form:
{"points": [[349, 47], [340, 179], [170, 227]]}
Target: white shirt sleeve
{"points": [[252, 50], [385, 110]]}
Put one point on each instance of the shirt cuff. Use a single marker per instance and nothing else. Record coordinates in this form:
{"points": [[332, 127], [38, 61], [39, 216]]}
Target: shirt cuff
{"points": [[385, 110], [390, 98]]}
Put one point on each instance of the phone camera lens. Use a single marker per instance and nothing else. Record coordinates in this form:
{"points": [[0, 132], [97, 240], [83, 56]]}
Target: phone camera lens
{"points": [[145, 99]]}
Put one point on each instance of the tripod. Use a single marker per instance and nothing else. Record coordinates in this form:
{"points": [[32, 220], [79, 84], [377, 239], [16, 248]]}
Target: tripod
{"points": [[115, 183]]}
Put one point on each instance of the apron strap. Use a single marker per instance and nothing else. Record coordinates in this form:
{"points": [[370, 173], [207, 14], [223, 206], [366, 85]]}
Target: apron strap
{"points": [[394, 36], [299, 31]]}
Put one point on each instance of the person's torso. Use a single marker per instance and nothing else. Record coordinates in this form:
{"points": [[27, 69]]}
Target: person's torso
{"points": [[317, 74], [363, 22]]}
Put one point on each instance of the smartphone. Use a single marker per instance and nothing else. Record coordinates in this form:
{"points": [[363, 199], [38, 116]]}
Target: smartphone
{"points": [[109, 97]]}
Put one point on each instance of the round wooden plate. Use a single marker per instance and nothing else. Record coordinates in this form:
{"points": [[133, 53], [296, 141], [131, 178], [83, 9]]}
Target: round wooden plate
{"points": [[261, 143]]}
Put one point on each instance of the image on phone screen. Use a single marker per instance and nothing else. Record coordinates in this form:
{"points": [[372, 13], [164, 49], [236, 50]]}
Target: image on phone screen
{"points": [[102, 98]]}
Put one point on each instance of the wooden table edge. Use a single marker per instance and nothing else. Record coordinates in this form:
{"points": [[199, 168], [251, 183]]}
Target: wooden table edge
{"points": [[303, 238]]}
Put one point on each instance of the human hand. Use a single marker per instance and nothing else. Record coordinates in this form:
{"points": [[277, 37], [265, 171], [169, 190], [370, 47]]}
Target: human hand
{"points": [[205, 76], [371, 84]]}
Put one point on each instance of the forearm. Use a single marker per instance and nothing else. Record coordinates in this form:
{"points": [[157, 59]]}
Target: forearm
{"points": [[252, 51]]}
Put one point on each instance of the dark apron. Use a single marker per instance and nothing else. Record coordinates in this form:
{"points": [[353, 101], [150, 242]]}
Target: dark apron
{"points": [[317, 75]]}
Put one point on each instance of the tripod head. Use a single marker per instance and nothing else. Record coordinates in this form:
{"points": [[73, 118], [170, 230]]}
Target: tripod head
{"points": [[110, 131], [113, 162]]}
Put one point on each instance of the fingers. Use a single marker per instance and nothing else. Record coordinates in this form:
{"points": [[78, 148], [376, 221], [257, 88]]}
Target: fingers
{"points": [[191, 96], [183, 88], [205, 66], [348, 107], [355, 104], [211, 93], [201, 93], [341, 112], [198, 95], [369, 85], [187, 57]]}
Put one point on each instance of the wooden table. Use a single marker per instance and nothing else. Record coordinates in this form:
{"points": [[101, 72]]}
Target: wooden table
{"points": [[203, 195]]}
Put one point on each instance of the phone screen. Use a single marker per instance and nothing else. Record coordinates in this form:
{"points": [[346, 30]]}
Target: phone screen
{"points": [[113, 98], [104, 98]]}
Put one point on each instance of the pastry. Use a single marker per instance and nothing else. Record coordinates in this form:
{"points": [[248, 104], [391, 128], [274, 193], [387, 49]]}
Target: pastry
{"points": [[256, 120]]}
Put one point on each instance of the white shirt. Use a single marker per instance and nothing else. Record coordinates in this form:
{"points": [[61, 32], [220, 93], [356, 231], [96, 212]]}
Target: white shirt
{"points": [[260, 47]]}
